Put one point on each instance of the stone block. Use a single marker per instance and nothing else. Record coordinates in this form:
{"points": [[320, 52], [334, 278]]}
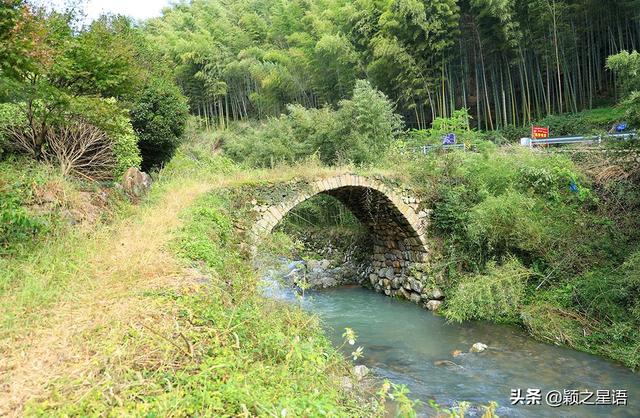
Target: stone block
{"points": [[396, 283], [275, 211], [416, 286], [433, 305], [389, 273], [437, 294], [373, 279], [414, 297]]}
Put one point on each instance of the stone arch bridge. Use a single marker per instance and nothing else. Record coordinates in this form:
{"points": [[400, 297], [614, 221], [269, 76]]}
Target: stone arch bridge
{"points": [[396, 220]]}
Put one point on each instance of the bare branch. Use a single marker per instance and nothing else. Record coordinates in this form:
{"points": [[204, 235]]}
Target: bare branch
{"points": [[81, 149]]}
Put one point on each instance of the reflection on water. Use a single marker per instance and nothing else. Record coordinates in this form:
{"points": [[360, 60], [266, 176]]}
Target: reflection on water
{"points": [[407, 344]]}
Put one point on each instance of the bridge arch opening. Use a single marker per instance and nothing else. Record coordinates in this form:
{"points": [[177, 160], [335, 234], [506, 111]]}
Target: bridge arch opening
{"points": [[395, 223]]}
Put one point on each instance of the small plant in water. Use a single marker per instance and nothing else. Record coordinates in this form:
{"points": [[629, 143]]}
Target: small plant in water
{"points": [[350, 337], [357, 353], [303, 284], [490, 410], [404, 407]]}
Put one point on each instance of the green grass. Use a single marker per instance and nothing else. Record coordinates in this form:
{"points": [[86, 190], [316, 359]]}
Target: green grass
{"points": [[40, 251], [235, 353], [573, 245], [158, 312]]}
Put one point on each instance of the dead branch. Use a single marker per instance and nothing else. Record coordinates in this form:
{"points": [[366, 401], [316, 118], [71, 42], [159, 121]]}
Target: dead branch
{"points": [[81, 149]]}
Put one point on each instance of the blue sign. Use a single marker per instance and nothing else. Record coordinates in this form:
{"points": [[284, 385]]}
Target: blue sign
{"points": [[449, 139], [573, 187], [621, 127]]}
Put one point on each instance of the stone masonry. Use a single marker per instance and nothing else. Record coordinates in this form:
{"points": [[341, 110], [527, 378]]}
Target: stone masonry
{"points": [[397, 221]]}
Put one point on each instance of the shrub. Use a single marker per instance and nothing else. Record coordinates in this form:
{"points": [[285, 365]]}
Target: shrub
{"points": [[112, 146], [20, 226], [508, 134], [538, 212], [596, 312], [110, 117], [604, 294], [198, 156], [632, 108], [263, 145], [458, 124], [505, 223], [619, 341], [631, 269], [17, 226], [315, 131], [159, 115], [81, 149], [496, 295], [611, 294], [625, 65], [451, 211], [555, 182], [366, 126], [551, 323], [12, 117], [125, 145], [360, 131]]}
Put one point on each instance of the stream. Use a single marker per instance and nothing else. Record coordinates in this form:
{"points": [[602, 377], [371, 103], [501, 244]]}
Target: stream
{"points": [[407, 345]]}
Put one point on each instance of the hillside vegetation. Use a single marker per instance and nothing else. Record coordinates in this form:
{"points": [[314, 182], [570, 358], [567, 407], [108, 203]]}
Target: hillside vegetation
{"points": [[156, 309]]}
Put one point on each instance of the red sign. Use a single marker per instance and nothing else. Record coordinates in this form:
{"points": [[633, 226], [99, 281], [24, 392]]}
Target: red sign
{"points": [[538, 132]]}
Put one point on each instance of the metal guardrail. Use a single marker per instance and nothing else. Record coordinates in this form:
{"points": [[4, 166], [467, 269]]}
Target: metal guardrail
{"points": [[425, 149], [528, 142]]}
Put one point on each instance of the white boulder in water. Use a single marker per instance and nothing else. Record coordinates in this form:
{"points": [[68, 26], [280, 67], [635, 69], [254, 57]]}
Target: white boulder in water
{"points": [[478, 348]]}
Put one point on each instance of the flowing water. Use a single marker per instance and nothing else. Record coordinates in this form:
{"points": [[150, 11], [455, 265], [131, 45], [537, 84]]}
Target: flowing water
{"points": [[406, 344]]}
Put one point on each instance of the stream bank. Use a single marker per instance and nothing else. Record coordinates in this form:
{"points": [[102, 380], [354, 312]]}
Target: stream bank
{"points": [[441, 362]]}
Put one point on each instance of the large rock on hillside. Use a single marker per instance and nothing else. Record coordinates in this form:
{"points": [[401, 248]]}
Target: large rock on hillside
{"points": [[136, 183]]}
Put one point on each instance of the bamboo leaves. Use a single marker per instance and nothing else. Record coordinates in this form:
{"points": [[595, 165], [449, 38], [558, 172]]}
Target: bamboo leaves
{"points": [[508, 61]]}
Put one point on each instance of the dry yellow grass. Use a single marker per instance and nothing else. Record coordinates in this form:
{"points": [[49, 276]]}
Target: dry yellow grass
{"points": [[130, 259]]}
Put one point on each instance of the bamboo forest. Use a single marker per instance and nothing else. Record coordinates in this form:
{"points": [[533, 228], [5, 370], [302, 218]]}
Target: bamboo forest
{"points": [[509, 62]]}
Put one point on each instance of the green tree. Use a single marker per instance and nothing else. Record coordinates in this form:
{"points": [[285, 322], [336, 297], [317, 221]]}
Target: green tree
{"points": [[367, 124], [626, 67], [159, 116], [21, 36], [508, 61], [77, 72]]}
